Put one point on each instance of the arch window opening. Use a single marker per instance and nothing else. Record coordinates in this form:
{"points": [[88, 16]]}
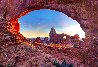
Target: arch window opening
{"points": [[39, 23]]}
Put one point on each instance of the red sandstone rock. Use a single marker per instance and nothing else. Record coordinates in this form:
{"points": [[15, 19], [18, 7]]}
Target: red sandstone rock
{"points": [[83, 11]]}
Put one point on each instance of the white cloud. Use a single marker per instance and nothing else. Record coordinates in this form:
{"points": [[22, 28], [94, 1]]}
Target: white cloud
{"points": [[76, 29]]}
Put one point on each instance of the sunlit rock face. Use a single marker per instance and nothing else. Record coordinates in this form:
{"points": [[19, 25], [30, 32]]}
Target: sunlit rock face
{"points": [[83, 11], [15, 26]]}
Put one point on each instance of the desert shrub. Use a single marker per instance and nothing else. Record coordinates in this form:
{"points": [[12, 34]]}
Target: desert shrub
{"points": [[55, 63], [63, 64], [1, 65], [9, 65]]}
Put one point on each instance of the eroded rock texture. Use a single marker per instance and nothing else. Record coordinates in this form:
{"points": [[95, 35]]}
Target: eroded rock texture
{"points": [[83, 11]]}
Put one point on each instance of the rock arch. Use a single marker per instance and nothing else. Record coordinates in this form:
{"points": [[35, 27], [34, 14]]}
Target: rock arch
{"points": [[83, 11], [77, 10]]}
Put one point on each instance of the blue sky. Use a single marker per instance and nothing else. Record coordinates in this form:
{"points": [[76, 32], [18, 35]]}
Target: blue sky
{"points": [[39, 22]]}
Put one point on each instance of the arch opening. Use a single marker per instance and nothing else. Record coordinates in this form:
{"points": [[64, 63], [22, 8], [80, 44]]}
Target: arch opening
{"points": [[44, 19]]}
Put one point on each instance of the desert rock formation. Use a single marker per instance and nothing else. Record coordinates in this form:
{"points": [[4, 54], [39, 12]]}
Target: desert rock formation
{"points": [[83, 11]]}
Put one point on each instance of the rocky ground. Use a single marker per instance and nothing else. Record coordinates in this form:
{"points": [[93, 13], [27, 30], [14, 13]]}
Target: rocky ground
{"points": [[24, 56], [21, 53]]}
